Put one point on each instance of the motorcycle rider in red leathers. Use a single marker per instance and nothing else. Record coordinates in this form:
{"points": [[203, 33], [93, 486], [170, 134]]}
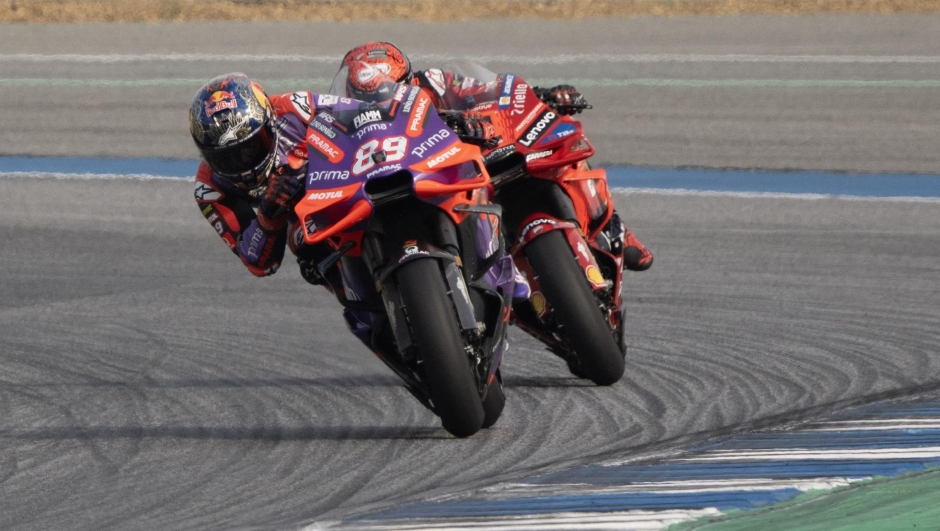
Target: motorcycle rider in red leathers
{"points": [[451, 91], [255, 159]]}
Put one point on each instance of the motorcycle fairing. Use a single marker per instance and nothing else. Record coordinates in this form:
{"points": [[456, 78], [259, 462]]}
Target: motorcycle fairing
{"points": [[439, 166]]}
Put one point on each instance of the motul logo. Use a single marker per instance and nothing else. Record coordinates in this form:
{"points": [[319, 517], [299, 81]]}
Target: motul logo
{"points": [[443, 156], [318, 196]]}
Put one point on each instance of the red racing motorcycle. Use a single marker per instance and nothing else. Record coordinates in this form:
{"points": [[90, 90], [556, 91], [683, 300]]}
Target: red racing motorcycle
{"points": [[554, 209]]}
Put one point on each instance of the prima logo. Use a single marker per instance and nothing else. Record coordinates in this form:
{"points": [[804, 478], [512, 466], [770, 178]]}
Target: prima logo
{"points": [[327, 175], [369, 128], [432, 141]]}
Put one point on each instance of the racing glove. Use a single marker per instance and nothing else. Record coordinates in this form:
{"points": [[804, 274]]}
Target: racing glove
{"points": [[563, 98], [472, 128], [279, 196], [308, 270], [308, 258]]}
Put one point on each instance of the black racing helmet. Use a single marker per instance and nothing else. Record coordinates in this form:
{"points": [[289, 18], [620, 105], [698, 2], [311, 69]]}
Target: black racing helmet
{"points": [[233, 125]]}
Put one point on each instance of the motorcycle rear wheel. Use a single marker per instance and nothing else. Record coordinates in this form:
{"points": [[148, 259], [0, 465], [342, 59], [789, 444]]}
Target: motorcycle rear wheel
{"points": [[575, 308], [436, 335]]}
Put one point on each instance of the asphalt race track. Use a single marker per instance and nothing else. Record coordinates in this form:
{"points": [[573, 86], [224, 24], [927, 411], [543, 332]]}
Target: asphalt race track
{"points": [[148, 381]]}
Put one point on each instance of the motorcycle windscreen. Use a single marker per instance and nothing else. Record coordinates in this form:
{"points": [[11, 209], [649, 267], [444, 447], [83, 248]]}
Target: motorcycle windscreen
{"points": [[472, 85], [470, 69]]}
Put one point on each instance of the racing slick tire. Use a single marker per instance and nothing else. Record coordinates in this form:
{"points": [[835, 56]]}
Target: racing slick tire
{"points": [[575, 308], [494, 402], [440, 347]]}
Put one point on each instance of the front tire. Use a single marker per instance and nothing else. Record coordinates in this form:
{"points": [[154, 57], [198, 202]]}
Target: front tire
{"points": [[575, 308], [436, 335], [494, 402]]}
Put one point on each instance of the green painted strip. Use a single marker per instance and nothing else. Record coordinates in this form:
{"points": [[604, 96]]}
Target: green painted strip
{"points": [[906, 502], [288, 84]]}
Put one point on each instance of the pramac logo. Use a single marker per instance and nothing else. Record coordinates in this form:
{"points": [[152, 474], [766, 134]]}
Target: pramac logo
{"points": [[419, 116], [323, 146]]}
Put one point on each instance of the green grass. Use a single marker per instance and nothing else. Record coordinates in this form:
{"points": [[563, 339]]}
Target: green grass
{"points": [[906, 502]]}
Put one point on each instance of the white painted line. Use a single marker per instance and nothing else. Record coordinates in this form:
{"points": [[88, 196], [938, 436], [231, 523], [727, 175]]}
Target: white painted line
{"points": [[604, 521], [842, 454], [876, 425], [768, 195], [517, 490], [91, 176], [509, 59]]}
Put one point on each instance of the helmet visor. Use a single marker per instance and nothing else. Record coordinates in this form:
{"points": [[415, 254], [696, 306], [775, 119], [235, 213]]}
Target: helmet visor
{"points": [[244, 156]]}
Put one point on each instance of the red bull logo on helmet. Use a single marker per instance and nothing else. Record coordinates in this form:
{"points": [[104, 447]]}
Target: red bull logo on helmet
{"points": [[220, 100]]}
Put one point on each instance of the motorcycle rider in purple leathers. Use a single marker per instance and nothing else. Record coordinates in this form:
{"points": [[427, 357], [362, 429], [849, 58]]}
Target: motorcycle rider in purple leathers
{"points": [[449, 90], [253, 172]]}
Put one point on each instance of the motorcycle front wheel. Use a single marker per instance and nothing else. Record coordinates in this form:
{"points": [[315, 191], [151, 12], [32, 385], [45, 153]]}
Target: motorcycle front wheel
{"points": [[575, 308], [447, 368], [494, 402]]}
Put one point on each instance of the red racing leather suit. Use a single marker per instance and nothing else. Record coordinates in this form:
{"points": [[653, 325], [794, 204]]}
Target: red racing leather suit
{"points": [[450, 91], [230, 210]]}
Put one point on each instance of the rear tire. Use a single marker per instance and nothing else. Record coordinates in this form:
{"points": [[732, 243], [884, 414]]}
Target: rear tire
{"points": [[436, 334], [575, 307]]}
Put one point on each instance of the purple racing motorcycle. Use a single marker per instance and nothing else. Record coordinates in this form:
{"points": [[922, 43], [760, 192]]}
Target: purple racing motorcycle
{"points": [[418, 261]]}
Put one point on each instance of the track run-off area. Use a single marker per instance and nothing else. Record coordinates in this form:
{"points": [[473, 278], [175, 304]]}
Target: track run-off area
{"points": [[147, 381]]}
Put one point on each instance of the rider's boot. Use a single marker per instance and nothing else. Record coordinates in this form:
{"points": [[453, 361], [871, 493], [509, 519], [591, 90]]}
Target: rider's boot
{"points": [[617, 239]]}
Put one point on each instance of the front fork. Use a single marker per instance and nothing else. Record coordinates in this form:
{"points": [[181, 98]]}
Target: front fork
{"points": [[482, 312]]}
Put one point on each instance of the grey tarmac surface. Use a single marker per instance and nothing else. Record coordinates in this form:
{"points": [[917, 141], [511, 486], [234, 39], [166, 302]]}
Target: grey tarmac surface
{"points": [[868, 129], [147, 381]]}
